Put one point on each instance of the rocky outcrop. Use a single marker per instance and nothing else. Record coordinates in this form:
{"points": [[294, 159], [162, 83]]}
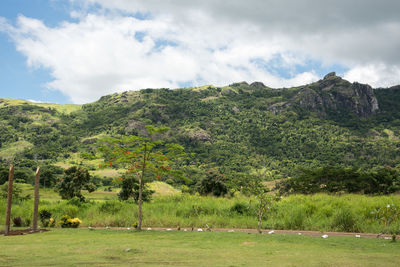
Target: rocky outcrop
{"points": [[333, 94]]}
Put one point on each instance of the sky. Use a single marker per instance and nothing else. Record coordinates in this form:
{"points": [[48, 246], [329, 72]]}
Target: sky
{"points": [[75, 51]]}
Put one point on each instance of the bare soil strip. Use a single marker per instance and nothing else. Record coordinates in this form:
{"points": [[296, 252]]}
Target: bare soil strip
{"points": [[24, 231], [254, 231]]}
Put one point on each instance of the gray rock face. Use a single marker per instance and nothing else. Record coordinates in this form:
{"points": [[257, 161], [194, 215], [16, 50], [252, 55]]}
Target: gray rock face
{"points": [[333, 94]]}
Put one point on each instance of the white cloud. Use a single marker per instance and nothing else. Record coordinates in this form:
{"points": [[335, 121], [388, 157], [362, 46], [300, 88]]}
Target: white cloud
{"points": [[378, 75], [210, 42]]}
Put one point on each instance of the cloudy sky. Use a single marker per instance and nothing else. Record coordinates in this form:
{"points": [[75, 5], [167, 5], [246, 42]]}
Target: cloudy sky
{"points": [[75, 51]]}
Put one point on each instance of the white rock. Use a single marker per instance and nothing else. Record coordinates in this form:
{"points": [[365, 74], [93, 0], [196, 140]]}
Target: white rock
{"points": [[128, 228], [324, 236], [388, 238], [148, 229], [169, 229], [107, 227], [299, 233], [199, 230], [271, 232], [358, 236], [231, 231]]}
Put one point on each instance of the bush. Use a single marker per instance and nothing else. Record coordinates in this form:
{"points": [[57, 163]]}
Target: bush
{"points": [[241, 208], [17, 222], [213, 183], [68, 222], [45, 217], [27, 222], [74, 180]]}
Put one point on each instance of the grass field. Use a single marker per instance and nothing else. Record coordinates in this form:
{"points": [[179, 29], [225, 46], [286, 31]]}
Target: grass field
{"points": [[81, 247]]}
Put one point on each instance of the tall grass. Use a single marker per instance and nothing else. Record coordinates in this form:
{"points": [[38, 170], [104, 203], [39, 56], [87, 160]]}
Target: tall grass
{"points": [[319, 212]]}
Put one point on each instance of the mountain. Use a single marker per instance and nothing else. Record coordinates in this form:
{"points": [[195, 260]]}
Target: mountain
{"points": [[237, 128]]}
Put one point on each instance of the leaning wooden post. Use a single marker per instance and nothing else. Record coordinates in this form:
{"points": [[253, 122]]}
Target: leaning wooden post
{"points": [[9, 199], [36, 202]]}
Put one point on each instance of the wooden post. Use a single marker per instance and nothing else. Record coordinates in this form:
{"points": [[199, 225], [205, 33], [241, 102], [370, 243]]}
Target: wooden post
{"points": [[36, 202], [9, 199]]}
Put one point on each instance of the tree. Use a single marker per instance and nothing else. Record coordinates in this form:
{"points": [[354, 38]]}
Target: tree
{"points": [[264, 200], [74, 180], [48, 177], [145, 157], [130, 189], [213, 183]]}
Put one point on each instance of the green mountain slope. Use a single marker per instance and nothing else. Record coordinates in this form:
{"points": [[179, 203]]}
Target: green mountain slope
{"points": [[237, 128]]}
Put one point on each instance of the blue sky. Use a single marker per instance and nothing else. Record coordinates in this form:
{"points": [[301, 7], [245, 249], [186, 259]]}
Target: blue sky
{"points": [[75, 51], [17, 80]]}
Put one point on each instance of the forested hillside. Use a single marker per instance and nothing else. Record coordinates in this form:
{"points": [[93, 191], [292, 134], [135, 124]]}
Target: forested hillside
{"points": [[240, 128]]}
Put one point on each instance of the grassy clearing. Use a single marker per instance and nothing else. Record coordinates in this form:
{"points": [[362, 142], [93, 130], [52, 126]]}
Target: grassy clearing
{"points": [[67, 108], [79, 247], [9, 151]]}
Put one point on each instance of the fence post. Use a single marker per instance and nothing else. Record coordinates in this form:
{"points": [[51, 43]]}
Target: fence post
{"points": [[36, 202], [9, 199]]}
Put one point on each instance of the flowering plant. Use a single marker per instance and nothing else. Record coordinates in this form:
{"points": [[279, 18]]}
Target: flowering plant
{"points": [[68, 222]]}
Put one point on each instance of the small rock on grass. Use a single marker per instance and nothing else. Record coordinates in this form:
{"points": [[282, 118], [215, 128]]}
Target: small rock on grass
{"points": [[128, 249]]}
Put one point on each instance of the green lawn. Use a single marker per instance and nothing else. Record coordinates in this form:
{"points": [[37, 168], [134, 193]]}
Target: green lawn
{"points": [[80, 247]]}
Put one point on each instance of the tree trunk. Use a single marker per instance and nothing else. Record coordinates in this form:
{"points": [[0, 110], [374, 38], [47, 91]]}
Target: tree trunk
{"points": [[36, 202], [9, 199], [259, 223], [139, 227]]}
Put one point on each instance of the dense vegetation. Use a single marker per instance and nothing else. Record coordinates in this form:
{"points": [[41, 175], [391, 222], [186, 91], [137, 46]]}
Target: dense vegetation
{"points": [[319, 212], [233, 130]]}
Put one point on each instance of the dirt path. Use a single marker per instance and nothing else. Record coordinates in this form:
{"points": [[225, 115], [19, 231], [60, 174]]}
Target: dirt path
{"points": [[254, 231], [24, 231]]}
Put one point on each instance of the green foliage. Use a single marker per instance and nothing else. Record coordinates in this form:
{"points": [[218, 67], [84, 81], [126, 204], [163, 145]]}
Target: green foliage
{"points": [[46, 219], [213, 183], [49, 175], [333, 179], [387, 215], [345, 220], [74, 180], [235, 130], [17, 194], [130, 190], [3, 175]]}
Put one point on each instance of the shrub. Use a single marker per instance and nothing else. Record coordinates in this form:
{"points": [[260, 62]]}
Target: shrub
{"points": [[240, 208], [68, 222], [45, 216], [213, 183], [17, 221], [27, 222], [74, 180]]}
